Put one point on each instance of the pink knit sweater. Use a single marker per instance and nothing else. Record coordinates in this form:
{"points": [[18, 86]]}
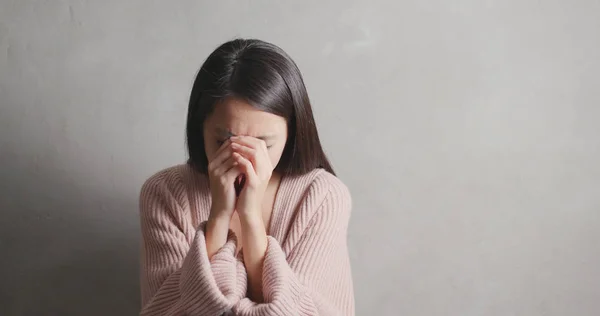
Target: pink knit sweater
{"points": [[306, 269]]}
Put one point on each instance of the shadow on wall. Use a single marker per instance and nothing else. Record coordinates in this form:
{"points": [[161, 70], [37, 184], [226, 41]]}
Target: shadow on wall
{"points": [[65, 251]]}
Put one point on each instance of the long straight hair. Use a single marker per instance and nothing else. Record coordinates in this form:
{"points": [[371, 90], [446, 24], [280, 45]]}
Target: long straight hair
{"points": [[263, 75]]}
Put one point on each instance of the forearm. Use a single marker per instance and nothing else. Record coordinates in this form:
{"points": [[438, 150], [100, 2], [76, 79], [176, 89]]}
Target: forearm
{"points": [[216, 234], [254, 243]]}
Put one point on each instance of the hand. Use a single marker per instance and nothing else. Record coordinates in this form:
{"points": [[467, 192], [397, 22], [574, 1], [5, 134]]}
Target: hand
{"points": [[252, 158], [253, 161], [222, 173]]}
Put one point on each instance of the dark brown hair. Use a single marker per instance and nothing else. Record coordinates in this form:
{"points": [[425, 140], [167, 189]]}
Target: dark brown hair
{"points": [[263, 75]]}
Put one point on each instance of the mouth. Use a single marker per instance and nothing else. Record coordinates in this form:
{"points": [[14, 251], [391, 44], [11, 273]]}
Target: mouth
{"points": [[239, 184]]}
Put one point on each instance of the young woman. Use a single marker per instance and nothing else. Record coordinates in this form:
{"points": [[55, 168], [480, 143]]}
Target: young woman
{"points": [[256, 222]]}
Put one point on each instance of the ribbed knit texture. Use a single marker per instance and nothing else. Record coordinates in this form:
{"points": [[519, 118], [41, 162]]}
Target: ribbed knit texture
{"points": [[306, 269]]}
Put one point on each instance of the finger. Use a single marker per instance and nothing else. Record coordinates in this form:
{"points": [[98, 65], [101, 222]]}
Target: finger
{"points": [[231, 174], [260, 160], [248, 152], [225, 152], [250, 141], [225, 166], [256, 150], [223, 146], [261, 146], [246, 167]]}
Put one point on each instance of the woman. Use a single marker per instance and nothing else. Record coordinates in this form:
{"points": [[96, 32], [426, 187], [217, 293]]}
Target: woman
{"points": [[255, 223]]}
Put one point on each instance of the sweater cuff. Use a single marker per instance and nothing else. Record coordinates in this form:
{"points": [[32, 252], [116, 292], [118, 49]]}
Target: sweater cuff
{"points": [[282, 290], [279, 281], [225, 267]]}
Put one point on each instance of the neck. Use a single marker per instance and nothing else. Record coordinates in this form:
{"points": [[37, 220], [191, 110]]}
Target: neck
{"points": [[275, 178]]}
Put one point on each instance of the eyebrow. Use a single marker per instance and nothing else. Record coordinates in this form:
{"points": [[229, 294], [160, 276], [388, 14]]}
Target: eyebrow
{"points": [[227, 133]]}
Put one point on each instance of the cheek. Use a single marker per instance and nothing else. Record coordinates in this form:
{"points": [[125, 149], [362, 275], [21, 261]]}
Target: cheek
{"points": [[275, 155], [210, 147], [276, 151]]}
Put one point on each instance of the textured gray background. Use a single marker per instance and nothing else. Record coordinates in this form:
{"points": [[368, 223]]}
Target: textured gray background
{"points": [[468, 132]]}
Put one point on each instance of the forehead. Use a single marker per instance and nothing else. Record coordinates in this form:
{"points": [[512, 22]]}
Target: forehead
{"points": [[240, 118]]}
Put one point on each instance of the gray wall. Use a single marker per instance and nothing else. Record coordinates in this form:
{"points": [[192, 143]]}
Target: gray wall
{"points": [[468, 132]]}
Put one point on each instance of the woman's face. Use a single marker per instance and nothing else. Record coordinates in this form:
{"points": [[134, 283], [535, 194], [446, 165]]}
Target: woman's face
{"points": [[234, 117]]}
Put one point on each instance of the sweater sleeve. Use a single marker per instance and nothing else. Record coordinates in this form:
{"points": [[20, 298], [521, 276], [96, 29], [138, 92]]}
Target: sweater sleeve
{"points": [[176, 275], [315, 278]]}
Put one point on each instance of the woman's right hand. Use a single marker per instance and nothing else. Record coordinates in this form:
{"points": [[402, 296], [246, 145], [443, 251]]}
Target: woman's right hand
{"points": [[222, 172]]}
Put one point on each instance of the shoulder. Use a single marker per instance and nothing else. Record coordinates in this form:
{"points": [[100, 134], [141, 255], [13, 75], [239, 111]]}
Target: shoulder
{"points": [[332, 186], [326, 193], [336, 197], [326, 186], [166, 178], [169, 183]]}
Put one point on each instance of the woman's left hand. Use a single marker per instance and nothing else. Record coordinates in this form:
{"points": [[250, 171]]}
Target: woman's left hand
{"points": [[253, 160]]}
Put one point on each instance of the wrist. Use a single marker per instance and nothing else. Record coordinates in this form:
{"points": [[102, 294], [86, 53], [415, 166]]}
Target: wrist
{"points": [[254, 235], [218, 219], [217, 229], [251, 220], [218, 224]]}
